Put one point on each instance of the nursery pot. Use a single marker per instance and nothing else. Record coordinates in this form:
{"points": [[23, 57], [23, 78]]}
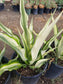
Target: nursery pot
{"points": [[54, 71], [52, 10], [1, 6], [47, 10], [34, 10], [41, 9], [29, 79], [5, 60], [16, 8], [59, 8], [28, 10]]}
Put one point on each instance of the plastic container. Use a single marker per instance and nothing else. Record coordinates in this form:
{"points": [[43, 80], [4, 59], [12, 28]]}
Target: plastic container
{"points": [[5, 60], [15, 8], [34, 11], [54, 71], [40, 10], [28, 11], [32, 79], [1, 6], [47, 10]]}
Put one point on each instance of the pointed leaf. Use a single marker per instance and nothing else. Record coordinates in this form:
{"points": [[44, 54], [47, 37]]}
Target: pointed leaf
{"points": [[24, 16], [11, 65], [2, 54], [41, 38], [40, 63], [60, 49], [5, 29], [13, 44]]}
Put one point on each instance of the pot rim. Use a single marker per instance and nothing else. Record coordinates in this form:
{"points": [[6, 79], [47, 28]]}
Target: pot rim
{"points": [[39, 74]]}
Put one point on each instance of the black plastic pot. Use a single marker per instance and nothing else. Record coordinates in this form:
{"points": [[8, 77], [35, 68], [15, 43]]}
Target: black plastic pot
{"points": [[52, 10], [54, 71], [1, 6], [28, 10], [47, 10], [32, 79], [16, 8], [40, 10], [34, 11], [59, 8], [5, 60], [29, 80]]}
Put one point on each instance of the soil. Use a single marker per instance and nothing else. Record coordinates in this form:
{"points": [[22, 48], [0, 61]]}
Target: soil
{"points": [[60, 62], [27, 72], [11, 19], [3, 77], [30, 72]]}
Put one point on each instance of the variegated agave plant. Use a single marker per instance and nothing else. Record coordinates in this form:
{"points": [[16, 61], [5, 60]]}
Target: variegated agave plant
{"points": [[58, 43], [33, 52]]}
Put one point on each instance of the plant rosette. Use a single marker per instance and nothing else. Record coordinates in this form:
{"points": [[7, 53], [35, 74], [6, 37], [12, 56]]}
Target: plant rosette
{"points": [[56, 67], [32, 54], [27, 75], [4, 78]]}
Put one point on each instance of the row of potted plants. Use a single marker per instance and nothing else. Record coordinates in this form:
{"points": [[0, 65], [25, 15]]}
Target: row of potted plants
{"points": [[34, 55], [39, 6], [36, 6]]}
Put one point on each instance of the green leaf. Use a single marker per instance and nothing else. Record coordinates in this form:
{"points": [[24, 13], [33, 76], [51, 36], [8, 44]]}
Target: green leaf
{"points": [[49, 51], [31, 32], [55, 32], [42, 37], [11, 65], [40, 63], [24, 16], [24, 22], [5, 29], [47, 45], [13, 44], [2, 54], [60, 49]]}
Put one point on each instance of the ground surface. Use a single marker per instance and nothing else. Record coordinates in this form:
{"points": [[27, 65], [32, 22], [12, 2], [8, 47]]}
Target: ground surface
{"points": [[11, 19]]}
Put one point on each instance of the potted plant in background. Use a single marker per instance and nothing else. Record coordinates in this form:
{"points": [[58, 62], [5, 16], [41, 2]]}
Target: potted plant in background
{"points": [[48, 6], [15, 5], [56, 67], [1, 5], [35, 7], [4, 78], [30, 57], [59, 5], [28, 6], [41, 6], [54, 6]]}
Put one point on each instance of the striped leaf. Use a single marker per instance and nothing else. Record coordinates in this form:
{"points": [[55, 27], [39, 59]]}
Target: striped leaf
{"points": [[60, 49], [11, 65], [2, 54], [41, 38], [13, 44]]}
